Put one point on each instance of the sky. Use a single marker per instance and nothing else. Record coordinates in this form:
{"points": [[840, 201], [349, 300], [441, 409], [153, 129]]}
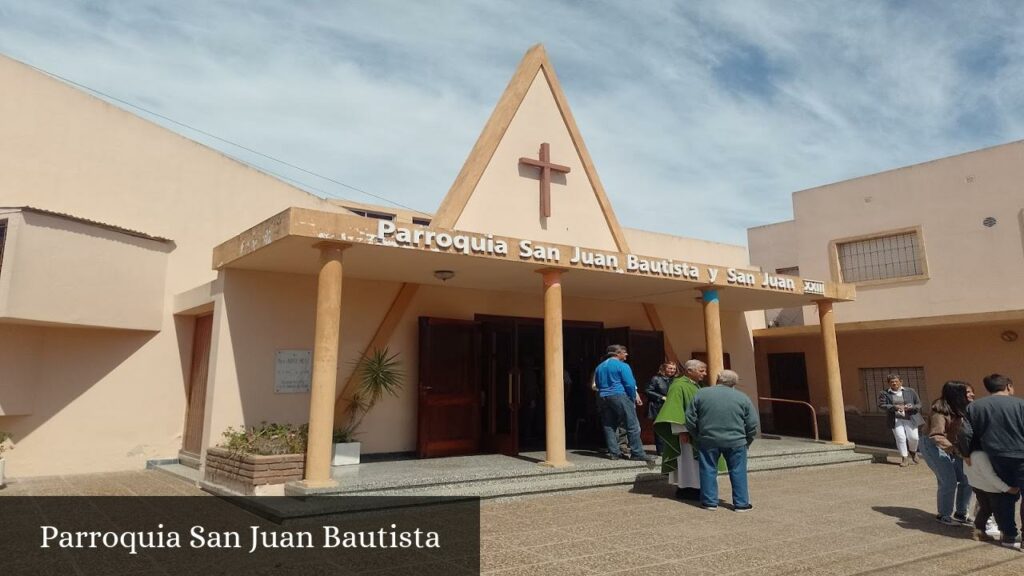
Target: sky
{"points": [[702, 117]]}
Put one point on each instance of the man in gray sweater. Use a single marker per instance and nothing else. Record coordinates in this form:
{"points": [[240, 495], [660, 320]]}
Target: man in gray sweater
{"points": [[724, 423], [997, 427]]}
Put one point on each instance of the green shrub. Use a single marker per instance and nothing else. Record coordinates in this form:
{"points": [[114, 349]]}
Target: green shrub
{"points": [[266, 439]]}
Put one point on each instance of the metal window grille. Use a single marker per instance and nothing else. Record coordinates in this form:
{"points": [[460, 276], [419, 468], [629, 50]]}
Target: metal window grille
{"points": [[873, 382], [893, 256], [3, 241]]}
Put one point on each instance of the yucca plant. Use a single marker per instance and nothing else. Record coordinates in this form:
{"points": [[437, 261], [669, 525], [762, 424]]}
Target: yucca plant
{"points": [[379, 373]]}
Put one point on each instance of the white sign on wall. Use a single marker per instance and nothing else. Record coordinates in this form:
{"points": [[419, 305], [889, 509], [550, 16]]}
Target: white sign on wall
{"points": [[293, 371]]}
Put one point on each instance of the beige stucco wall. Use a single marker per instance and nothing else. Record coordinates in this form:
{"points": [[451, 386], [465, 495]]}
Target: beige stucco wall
{"points": [[66, 272], [506, 200], [649, 243], [263, 312], [108, 400], [965, 353], [972, 269]]}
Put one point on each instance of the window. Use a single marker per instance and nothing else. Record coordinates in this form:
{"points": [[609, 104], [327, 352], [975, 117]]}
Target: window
{"points": [[873, 381], [421, 221], [3, 240], [888, 256], [371, 214]]}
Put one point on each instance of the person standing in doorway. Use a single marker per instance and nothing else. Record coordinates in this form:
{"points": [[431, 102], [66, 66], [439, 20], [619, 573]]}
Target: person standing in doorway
{"points": [[619, 400], [903, 415], [724, 422], [657, 389], [997, 428], [679, 460]]}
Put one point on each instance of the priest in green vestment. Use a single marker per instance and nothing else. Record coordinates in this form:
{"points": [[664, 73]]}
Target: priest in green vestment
{"points": [[679, 459]]}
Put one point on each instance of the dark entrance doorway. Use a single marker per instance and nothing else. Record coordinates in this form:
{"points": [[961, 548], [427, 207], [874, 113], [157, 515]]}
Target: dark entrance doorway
{"points": [[787, 373], [512, 375], [481, 385]]}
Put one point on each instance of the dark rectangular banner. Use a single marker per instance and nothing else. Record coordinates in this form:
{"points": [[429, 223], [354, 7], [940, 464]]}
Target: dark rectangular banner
{"points": [[199, 536]]}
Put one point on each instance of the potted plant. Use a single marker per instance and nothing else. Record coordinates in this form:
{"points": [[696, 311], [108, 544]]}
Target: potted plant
{"points": [[379, 373], [5, 439], [257, 460]]}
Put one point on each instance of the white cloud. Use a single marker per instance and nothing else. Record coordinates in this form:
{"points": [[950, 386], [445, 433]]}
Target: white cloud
{"points": [[702, 117]]}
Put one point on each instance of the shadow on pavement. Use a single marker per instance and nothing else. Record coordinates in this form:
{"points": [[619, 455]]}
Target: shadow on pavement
{"points": [[916, 519]]}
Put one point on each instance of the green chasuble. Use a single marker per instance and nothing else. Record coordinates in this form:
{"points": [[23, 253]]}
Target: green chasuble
{"points": [[680, 395]]}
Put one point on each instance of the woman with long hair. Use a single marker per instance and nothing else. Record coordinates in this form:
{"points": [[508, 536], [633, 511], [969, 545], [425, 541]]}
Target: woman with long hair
{"points": [[942, 453]]}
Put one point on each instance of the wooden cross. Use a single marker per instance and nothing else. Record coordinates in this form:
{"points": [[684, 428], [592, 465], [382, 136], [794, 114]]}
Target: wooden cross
{"points": [[546, 167]]}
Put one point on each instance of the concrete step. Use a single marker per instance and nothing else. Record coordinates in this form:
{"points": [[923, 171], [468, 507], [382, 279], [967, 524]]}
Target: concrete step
{"points": [[596, 478]]}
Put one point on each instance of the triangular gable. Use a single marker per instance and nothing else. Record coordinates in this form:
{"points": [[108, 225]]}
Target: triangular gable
{"points": [[495, 192]]}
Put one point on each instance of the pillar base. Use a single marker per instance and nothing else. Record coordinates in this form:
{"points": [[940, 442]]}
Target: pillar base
{"points": [[311, 487], [562, 464]]}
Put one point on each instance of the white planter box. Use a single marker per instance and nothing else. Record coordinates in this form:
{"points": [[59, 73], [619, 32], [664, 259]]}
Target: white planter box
{"points": [[346, 454]]}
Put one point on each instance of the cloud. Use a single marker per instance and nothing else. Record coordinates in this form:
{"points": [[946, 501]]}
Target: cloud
{"points": [[702, 118]]}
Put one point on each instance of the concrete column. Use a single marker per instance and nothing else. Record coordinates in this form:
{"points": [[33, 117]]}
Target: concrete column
{"points": [[836, 406], [712, 334], [554, 384], [325, 367]]}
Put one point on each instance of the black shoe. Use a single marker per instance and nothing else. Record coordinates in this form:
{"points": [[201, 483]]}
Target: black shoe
{"points": [[644, 458], [611, 456], [688, 494], [746, 508]]}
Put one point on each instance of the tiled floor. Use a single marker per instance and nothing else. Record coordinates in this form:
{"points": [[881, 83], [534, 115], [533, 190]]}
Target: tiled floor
{"points": [[843, 520]]}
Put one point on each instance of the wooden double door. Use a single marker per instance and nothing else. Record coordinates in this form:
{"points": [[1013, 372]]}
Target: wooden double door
{"points": [[481, 382]]}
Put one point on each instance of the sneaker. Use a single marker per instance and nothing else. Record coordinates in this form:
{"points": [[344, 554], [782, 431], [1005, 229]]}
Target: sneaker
{"points": [[964, 520], [992, 529], [948, 521], [611, 456], [981, 536], [904, 462], [710, 508], [1011, 544], [915, 458], [746, 508], [644, 458]]}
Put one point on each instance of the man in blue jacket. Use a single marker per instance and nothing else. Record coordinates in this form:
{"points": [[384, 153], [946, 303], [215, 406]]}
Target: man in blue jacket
{"points": [[617, 388]]}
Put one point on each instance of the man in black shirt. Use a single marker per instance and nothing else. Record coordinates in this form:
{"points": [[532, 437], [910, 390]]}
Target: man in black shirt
{"points": [[997, 427]]}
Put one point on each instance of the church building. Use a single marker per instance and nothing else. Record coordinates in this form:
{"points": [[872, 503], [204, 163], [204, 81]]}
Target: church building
{"points": [[154, 292]]}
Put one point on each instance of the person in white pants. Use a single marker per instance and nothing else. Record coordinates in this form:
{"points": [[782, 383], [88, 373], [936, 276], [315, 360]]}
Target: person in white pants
{"points": [[903, 410]]}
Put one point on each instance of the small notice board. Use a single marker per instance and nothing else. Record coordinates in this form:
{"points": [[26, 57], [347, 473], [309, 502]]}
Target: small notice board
{"points": [[293, 371]]}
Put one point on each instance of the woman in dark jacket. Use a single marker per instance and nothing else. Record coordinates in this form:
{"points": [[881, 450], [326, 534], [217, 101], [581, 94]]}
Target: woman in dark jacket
{"points": [[657, 388], [942, 452], [903, 412]]}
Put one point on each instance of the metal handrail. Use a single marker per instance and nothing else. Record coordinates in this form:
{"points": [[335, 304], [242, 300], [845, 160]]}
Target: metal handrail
{"points": [[814, 413]]}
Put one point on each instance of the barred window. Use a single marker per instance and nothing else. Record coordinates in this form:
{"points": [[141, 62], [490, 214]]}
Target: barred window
{"points": [[3, 241], [882, 257], [873, 382]]}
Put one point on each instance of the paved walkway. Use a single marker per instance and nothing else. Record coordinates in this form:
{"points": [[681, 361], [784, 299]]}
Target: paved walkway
{"points": [[860, 520]]}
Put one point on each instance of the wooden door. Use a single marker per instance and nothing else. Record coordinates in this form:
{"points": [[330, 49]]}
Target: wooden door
{"points": [[787, 373], [195, 410], [448, 421], [501, 400]]}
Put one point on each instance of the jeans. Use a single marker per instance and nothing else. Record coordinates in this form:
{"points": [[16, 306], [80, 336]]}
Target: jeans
{"points": [[954, 493], [736, 461], [1011, 471], [618, 411]]}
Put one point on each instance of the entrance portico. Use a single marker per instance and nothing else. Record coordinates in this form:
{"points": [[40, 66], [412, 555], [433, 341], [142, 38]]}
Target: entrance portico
{"points": [[292, 242]]}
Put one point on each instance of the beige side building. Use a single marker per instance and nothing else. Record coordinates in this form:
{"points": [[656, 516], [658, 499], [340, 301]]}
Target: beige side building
{"points": [[154, 292], [937, 254]]}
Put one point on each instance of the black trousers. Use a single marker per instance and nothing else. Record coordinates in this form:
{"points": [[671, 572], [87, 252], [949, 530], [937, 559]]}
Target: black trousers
{"points": [[985, 511]]}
